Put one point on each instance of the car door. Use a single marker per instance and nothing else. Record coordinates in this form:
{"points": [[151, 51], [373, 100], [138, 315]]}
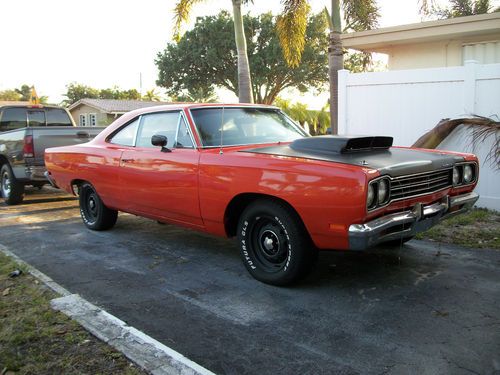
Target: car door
{"points": [[162, 182]]}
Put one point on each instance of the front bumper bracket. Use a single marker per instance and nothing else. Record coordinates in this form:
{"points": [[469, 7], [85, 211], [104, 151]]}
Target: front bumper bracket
{"points": [[408, 223]]}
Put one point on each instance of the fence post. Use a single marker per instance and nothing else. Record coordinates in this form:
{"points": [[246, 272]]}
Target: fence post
{"points": [[470, 69], [342, 124]]}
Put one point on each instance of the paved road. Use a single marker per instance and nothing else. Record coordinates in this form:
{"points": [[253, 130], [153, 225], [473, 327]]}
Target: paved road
{"points": [[422, 309]]}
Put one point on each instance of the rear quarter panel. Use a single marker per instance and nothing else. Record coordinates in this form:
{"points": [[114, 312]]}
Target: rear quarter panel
{"points": [[88, 162], [56, 136]]}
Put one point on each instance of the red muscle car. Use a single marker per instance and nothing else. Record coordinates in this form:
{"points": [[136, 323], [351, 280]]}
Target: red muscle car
{"points": [[248, 171]]}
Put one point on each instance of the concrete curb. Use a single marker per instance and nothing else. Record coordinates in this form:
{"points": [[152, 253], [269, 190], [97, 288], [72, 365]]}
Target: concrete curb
{"points": [[146, 352]]}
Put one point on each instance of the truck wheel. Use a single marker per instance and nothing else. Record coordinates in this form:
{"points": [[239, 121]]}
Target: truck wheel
{"points": [[275, 246], [12, 190], [95, 214]]}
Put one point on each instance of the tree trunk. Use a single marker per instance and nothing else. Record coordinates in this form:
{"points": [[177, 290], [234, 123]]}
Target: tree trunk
{"points": [[335, 63], [244, 80]]}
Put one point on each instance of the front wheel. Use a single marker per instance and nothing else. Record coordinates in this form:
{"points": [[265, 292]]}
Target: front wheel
{"points": [[275, 246], [12, 190], [95, 214]]}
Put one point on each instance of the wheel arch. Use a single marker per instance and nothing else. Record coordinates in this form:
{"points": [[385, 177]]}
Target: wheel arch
{"points": [[241, 201], [78, 182], [3, 160]]}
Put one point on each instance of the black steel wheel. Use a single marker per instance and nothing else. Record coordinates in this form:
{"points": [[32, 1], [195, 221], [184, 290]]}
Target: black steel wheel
{"points": [[275, 247], [95, 214], [12, 190]]}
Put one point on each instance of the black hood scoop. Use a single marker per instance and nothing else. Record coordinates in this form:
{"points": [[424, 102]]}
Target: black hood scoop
{"points": [[370, 152], [341, 144]]}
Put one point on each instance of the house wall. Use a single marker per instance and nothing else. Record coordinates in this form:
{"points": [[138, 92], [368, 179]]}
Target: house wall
{"points": [[443, 53], [407, 103], [102, 119]]}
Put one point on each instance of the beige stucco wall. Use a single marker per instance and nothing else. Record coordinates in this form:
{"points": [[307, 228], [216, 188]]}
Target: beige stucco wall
{"points": [[443, 53], [102, 119]]}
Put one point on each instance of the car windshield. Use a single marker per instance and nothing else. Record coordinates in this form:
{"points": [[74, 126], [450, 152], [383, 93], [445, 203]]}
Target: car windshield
{"points": [[241, 126]]}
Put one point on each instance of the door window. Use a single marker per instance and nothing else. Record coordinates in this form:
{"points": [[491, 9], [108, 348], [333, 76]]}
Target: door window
{"points": [[126, 136], [164, 123], [183, 137]]}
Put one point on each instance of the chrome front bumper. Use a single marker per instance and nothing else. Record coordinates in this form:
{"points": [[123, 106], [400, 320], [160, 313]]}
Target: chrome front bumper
{"points": [[407, 223]]}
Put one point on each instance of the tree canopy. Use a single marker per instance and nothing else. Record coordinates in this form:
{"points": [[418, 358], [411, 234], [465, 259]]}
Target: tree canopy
{"points": [[460, 8], [21, 94], [205, 58], [76, 91]]}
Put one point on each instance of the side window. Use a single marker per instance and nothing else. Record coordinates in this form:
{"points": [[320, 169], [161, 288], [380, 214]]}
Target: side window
{"points": [[82, 119], [126, 136], [158, 123], [183, 138], [36, 118], [92, 119], [57, 117], [13, 118]]}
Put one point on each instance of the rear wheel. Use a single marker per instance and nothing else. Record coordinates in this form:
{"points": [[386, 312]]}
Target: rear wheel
{"points": [[12, 190], [95, 214], [275, 247]]}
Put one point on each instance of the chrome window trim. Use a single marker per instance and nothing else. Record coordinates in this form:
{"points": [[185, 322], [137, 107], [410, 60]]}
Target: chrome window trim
{"points": [[141, 120], [201, 146], [183, 116]]}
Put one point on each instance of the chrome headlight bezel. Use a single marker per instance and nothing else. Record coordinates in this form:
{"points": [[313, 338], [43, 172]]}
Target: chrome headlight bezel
{"points": [[378, 193], [467, 172]]}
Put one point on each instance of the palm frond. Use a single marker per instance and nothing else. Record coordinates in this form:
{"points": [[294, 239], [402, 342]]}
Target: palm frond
{"points": [[291, 26], [360, 15], [182, 11], [481, 129]]}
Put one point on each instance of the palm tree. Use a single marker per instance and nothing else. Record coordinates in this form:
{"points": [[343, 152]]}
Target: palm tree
{"points": [[182, 11], [358, 14], [151, 95]]}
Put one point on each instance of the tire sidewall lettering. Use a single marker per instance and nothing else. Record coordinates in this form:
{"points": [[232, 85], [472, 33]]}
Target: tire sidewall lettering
{"points": [[248, 257]]}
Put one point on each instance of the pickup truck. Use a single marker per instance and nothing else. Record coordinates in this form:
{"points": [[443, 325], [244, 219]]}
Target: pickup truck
{"points": [[25, 132]]}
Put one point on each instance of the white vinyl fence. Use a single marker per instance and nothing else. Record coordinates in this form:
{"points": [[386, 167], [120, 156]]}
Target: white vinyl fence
{"points": [[407, 103]]}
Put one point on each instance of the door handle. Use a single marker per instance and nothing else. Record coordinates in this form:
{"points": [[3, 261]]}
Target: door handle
{"points": [[127, 160], [82, 134]]}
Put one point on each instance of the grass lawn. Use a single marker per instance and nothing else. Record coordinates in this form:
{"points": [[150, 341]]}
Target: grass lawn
{"points": [[479, 228], [34, 339]]}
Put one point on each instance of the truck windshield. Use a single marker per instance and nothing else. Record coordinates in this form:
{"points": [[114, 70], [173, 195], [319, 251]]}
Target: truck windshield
{"points": [[241, 126]]}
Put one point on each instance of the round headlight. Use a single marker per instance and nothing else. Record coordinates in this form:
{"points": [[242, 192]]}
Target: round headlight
{"points": [[456, 176], [468, 173], [383, 191], [370, 198]]}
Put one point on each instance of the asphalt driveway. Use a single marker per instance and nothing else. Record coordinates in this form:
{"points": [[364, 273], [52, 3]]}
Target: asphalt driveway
{"points": [[425, 308]]}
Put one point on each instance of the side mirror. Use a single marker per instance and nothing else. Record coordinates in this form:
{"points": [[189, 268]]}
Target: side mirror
{"points": [[160, 141]]}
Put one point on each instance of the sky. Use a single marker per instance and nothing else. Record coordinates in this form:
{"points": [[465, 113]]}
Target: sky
{"points": [[112, 42]]}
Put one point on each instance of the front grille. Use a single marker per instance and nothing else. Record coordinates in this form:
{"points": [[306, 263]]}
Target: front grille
{"points": [[420, 184]]}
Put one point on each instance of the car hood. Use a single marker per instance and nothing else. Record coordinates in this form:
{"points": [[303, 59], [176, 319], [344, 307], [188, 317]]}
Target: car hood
{"points": [[393, 161]]}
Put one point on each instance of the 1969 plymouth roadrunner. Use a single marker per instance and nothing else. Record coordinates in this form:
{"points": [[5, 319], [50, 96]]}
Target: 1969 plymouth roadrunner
{"points": [[249, 171]]}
